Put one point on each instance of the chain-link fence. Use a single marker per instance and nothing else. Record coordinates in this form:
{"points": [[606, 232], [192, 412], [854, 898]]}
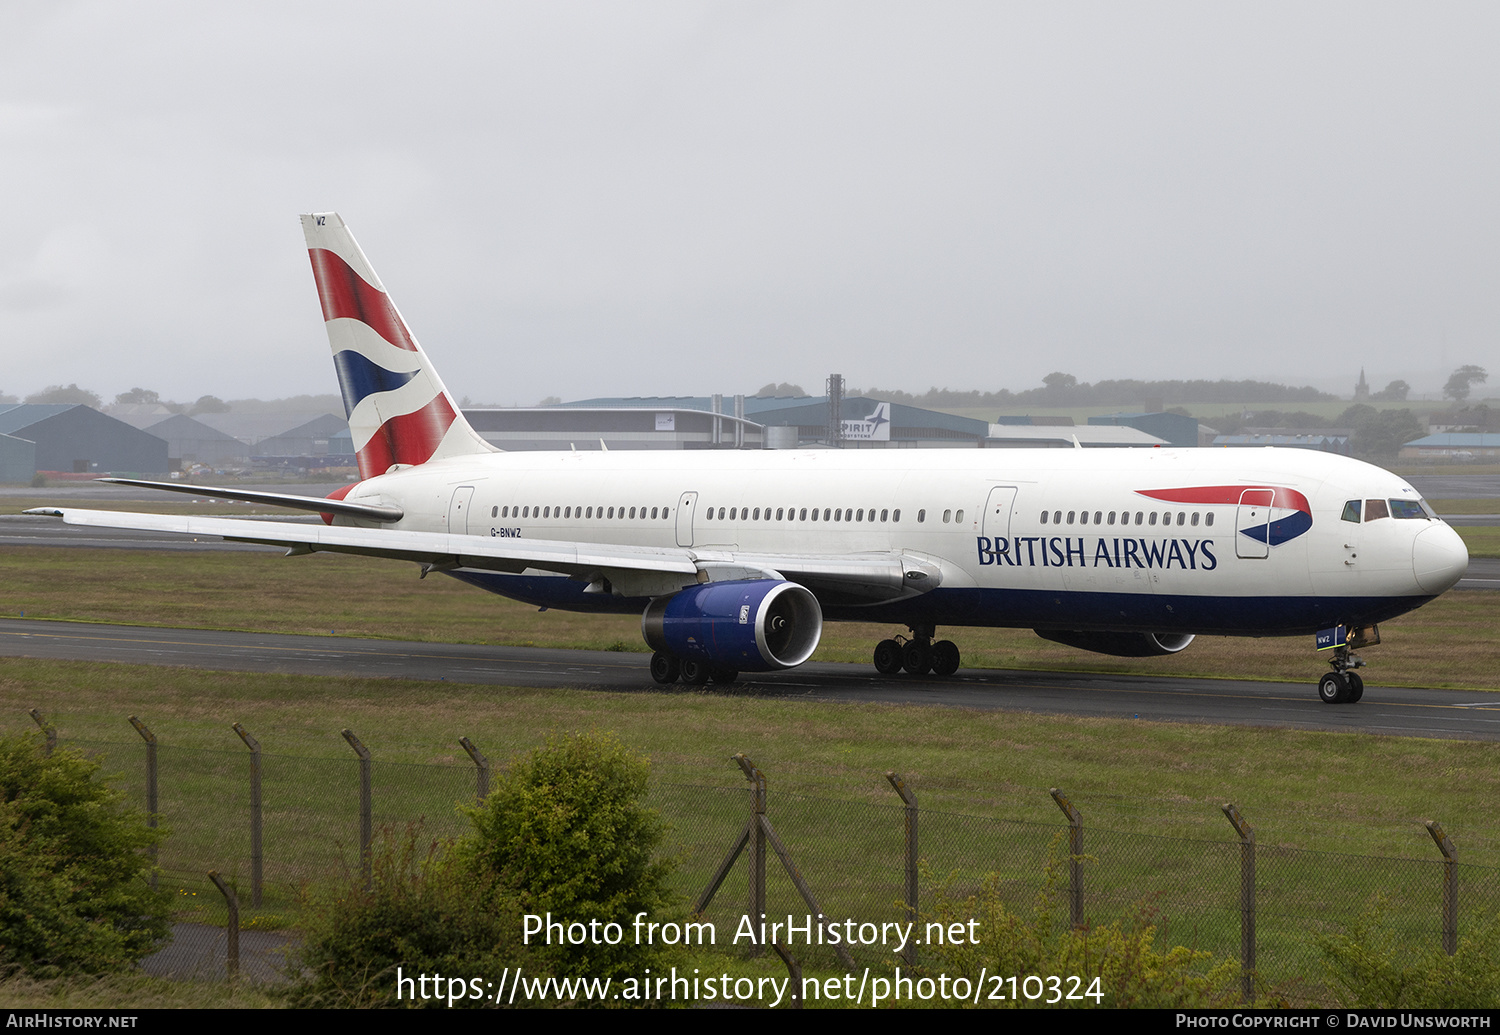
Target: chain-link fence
{"points": [[853, 857]]}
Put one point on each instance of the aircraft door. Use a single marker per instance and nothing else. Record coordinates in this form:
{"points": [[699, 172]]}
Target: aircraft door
{"points": [[686, 504], [997, 512], [1252, 524], [458, 510]]}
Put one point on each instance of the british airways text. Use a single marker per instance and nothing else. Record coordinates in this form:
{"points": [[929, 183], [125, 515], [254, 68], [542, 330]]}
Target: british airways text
{"points": [[1075, 552]]}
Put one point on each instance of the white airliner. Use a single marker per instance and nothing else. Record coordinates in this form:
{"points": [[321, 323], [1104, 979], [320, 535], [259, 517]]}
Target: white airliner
{"points": [[734, 559]]}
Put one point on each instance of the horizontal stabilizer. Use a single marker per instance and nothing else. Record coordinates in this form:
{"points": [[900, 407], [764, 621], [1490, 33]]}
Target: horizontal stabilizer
{"points": [[316, 504]]}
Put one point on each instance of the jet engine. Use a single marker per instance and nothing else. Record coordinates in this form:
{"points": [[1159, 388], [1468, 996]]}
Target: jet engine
{"points": [[1123, 645], [751, 625]]}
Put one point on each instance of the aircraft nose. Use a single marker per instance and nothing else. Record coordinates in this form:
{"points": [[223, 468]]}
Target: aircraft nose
{"points": [[1438, 558]]}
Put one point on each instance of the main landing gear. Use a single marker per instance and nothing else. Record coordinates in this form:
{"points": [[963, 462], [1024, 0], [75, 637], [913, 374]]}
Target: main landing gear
{"points": [[917, 655], [1343, 685], [666, 668]]}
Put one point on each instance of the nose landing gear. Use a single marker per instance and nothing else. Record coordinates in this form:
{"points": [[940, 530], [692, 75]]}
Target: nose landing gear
{"points": [[1343, 685], [1340, 688]]}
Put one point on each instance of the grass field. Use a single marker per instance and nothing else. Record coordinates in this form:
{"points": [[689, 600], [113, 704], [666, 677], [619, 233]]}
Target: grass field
{"points": [[1482, 540], [1338, 816]]}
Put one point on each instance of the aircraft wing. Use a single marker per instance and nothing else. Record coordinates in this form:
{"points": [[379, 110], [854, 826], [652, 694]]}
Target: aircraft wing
{"points": [[607, 567]]}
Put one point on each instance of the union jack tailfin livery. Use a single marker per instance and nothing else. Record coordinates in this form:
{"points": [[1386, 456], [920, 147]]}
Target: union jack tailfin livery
{"points": [[400, 414]]}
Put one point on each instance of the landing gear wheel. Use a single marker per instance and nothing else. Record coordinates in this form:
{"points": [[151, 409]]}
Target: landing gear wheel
{"points": [[916, 658], [888, 657], [1356, 687], [695, 672], [722, 674], [664, 667], [1333, 688], [945, 657]]}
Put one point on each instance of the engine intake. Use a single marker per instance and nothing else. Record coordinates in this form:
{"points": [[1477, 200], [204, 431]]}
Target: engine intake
{"points": [[1121, 645], [753, 625]]}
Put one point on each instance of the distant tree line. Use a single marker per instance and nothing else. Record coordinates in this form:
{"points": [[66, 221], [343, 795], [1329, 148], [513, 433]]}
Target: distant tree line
{"points": [[1372, 432], [72, 395], [1060, 389]]}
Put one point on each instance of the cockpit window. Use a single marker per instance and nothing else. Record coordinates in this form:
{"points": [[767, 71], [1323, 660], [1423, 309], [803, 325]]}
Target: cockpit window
{"points": [[1351, 511], [1407, 509], [1375, 509]]}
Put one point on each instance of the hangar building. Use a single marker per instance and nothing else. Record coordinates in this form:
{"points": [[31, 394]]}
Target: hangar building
{"points": [[73, 438]]}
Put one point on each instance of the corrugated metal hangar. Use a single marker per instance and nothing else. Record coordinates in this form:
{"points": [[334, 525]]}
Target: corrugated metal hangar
{"points": [[77, 439]]}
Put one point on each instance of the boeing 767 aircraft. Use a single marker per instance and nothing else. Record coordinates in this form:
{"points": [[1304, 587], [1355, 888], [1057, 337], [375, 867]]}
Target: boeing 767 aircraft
{"points": [[735, 559]]}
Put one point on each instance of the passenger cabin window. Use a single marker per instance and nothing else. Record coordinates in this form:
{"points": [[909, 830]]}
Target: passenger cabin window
{"points": [[921, 516], [1351, 511], [1375, 510]]}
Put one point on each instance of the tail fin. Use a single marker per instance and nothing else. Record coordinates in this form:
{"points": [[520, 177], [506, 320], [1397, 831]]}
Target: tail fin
{"points": [[399, 411]]}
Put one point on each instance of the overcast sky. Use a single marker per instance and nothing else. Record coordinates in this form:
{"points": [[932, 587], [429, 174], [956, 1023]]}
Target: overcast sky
{"points": [[581, 199]]}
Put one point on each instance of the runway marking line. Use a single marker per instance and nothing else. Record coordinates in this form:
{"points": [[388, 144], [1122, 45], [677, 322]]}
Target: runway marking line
{"points": [[1022, 686]]}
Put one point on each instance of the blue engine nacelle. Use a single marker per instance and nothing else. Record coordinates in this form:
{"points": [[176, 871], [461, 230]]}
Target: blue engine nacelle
{"points": [[753, 626]]}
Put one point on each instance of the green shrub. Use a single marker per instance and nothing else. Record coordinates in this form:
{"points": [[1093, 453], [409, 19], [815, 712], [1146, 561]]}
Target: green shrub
{"points": [[566, 833], [1123, 955], [74, 891], [424, 913], [1370, 967]]}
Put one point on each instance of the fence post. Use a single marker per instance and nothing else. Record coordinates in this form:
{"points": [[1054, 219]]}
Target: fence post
{"points": [[1075, 853], [366, 821], [233, 901], [482, 764], [793, 973], [1247, 900], [1450, 886], [151, 799], [757, 844], [255, 813], [47, 729], [911, 857]]}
